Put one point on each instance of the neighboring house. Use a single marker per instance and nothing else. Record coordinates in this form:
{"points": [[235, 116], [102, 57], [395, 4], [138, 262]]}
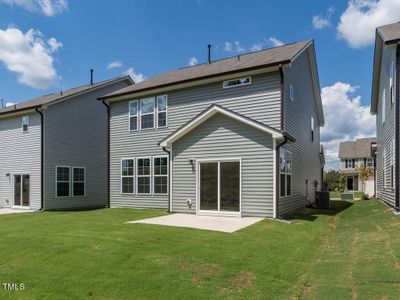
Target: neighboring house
{"points": [[353, 155], [385, 105], [53, 149], [238, 136]]}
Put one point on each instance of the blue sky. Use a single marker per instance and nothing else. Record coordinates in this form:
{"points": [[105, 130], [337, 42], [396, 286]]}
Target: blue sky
{"points": [[150, 37]]}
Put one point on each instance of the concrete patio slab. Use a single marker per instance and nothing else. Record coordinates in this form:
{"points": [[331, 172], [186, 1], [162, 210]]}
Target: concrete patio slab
{"points": [[6, 211], [213, 223]]}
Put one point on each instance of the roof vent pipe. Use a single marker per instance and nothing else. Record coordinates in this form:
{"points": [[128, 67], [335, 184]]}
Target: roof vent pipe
{"points": [[91, 76], [209, 54]]}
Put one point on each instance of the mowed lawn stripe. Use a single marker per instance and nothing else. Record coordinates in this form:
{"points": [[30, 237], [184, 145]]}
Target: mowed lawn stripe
{"points": [[348, 252]]}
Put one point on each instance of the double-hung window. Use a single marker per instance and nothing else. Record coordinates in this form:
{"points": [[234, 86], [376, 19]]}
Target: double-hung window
{"points": [[147, 108], [162, 111], [127, 176], [63, 181], [160, 166], [370, 162], [133, 115], [143, 175], [25, 123], [350, 163], [312, 128], [285, 173], [78, 182]]}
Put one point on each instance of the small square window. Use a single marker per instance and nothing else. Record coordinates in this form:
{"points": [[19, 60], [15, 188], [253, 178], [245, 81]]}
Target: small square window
{"points": [[25, 123]]}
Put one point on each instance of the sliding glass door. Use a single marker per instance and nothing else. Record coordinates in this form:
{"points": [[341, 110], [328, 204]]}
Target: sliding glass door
{"points": [[21, 190], [219, 189]]}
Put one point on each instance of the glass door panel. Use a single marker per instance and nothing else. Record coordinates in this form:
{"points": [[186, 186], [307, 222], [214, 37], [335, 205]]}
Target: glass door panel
{"points": [[17, 189], [229, 186], [25, 190], [209, 186]]}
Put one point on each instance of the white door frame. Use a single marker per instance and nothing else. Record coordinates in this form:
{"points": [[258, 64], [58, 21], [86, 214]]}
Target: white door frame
{"points": [[218, 213], [21, 191]]}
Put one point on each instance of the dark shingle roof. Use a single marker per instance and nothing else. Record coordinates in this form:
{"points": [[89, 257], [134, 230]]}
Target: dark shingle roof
{"points": [[258, 59], [356, 149], [46, 99]]}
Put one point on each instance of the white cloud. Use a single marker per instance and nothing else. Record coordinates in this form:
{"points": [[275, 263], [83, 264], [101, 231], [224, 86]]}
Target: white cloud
{"points": [[228, 46], [234, 47], [47, 7], [54, 44], [345, 119], [136, 77], [275, 42], [29, 56], [322, 21], [115, 64], [358, 22], [192, 61], [256, 46]]}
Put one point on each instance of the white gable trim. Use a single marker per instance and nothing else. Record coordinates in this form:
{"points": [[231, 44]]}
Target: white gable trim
{"points": [[211, 112]]}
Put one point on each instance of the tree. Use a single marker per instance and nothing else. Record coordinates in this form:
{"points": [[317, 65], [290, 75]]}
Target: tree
{"points": [[342, 182], [331, 180], [364, 173]]}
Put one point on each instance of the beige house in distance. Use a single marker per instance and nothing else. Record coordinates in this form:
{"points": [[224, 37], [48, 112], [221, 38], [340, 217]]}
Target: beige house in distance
{"points": [[354, 154]]}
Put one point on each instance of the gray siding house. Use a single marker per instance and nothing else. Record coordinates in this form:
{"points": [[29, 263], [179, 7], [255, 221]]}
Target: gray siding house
{"points": [[237, 136], [54, 149], [385, 105]]}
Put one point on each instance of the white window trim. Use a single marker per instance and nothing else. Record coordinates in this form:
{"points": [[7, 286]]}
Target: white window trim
{"points": [[291, 92], [236, 85], [218, 160], [146, 114], [123, 176], [137, 176], [370, 160], [166, 111], [63, 181], [137, 116], [73, 181], [22, 123], [286, 173], [157, 175]]}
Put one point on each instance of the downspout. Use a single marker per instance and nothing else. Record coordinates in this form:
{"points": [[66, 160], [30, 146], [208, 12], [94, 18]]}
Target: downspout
{"points": [[282, 97], [169, 177], [397, 131], [41, 159], [279, 145], [108, 152]]}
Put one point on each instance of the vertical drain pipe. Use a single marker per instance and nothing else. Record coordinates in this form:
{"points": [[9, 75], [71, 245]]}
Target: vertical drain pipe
{"points": [[108, 153], [41, 159]]}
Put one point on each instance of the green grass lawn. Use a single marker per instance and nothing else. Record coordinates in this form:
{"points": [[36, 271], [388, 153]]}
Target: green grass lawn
{"points": [[352, 251]]}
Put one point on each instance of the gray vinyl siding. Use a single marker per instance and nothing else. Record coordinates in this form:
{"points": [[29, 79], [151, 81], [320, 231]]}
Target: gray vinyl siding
{"points": [[222, 137], [297, 122], [386, 131], [20, 152], [76, 136], [260, 101]]}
